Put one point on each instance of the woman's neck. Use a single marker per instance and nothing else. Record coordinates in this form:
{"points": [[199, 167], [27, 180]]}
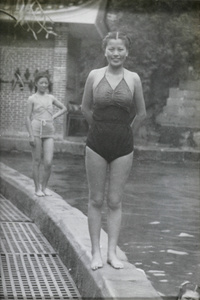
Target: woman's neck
{"points": [[115, 70]]}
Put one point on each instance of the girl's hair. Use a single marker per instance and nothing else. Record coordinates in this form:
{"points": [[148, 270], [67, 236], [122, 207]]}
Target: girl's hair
{"points": [[39, 75], [116, 35]]}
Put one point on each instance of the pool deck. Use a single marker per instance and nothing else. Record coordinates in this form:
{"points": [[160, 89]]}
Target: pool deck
{"points": [[65, 227]]}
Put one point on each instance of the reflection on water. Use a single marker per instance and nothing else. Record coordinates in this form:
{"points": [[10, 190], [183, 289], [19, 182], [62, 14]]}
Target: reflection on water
{"points": [[160, 226]]}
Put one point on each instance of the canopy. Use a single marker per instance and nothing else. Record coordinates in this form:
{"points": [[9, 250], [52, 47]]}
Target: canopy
{"points": [[84, 21]]}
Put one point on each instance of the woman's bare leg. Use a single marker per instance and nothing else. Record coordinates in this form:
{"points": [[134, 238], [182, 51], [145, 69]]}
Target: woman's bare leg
{"points": [[119, 171], [36, 156], [96, 169], [48, 148]]}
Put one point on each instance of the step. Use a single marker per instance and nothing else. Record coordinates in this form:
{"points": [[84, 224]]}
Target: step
{"points": [[181, 111], [183, 102], [177, 93], [192, 85], [178, 121]]}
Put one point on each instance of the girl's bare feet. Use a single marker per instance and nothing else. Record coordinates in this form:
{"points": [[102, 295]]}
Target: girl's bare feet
{"points": [[96, 262], [115, 262]]}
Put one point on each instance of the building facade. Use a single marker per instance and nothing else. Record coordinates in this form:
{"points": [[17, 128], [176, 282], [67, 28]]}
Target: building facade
{"points": [[21, 56]]}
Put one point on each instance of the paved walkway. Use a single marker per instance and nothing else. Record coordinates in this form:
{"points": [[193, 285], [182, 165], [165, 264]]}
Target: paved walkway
{"points": [[30, 268]]}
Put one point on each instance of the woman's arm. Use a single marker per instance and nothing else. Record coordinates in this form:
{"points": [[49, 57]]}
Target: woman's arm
{"points": [[87, 100], [28, 121], [139, 104], [61, 106]]}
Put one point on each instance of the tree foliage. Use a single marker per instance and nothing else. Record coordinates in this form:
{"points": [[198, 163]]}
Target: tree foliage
{"points": [[144, 6], [163, 48], [165, 38]]}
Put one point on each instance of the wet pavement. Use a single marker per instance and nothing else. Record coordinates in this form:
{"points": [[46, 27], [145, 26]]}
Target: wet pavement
{"points": [[160, 226]]}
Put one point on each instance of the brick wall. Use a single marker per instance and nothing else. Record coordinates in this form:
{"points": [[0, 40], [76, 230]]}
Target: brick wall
{"points": [[34, 55], [13, 102]]}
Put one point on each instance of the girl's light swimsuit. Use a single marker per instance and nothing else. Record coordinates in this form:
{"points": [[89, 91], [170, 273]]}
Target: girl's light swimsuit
{"points": [[110, 135], [42, 122]]}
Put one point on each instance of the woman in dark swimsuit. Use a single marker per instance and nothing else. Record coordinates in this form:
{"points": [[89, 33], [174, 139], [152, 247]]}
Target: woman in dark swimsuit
{"points": [[114, 107]]}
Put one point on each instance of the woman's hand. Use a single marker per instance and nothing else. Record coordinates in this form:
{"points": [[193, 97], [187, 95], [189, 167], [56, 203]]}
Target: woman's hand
{"points": [[32, 141]]}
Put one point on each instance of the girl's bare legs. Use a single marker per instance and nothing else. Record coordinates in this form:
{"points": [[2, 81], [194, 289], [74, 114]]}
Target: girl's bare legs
{"points": [[119, 171], [96, 169], [48, 147], [36, 156]]}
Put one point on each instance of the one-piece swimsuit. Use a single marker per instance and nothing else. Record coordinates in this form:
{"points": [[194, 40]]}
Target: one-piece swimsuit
{"points": [[110, 134]]}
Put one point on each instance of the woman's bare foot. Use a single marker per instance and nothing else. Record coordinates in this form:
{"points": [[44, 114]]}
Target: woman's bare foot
{"points": [[115, 262], [46, 192], [39, 193], [96, 262]]}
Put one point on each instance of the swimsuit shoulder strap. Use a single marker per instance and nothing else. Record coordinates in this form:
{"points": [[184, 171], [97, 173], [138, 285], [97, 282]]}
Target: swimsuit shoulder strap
{"points": [[101, 76], [128, 81]]}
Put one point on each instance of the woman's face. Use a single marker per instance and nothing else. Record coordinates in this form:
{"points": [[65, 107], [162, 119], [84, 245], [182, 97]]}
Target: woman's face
{"points": [[116, 52], [42, 84]]}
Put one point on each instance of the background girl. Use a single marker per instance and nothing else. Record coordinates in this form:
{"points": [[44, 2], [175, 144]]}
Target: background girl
{"points": [[40, 126]]}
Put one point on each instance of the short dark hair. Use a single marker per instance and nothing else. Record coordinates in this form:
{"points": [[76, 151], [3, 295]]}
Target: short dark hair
{"points": [[41, 74], [116, 35]]}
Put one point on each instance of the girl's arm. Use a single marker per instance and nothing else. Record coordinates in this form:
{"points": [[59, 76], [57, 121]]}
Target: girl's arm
{"points": [[61, 106], [87, 100], [140, 105]]}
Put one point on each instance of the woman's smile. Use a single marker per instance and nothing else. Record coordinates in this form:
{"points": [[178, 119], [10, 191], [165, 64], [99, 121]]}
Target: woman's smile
{"points": [[116, 51]]}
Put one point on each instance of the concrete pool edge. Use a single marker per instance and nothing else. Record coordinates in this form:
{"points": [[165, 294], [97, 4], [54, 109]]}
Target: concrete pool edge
{"points": [[66, 229]]}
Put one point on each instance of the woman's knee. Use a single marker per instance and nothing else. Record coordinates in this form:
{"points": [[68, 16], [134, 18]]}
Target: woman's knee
{"points": [[114, 202]]}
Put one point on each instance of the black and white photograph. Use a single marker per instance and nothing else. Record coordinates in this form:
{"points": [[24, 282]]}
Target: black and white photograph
{"points": [[100, 149]]}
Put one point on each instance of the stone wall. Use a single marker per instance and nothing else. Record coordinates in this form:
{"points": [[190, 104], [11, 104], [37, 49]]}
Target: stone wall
{"points": [[180, 118]]}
